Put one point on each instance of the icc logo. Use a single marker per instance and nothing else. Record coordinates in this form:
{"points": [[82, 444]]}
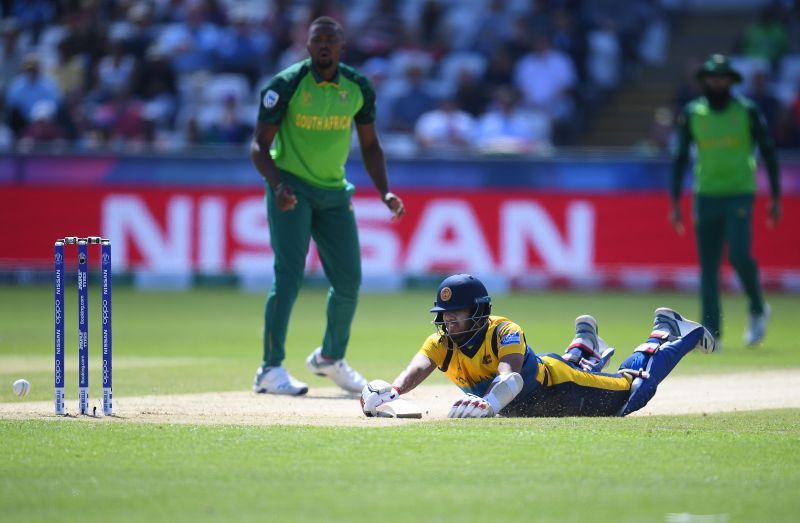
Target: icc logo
{"points": [[82, 258], [59, 258]]}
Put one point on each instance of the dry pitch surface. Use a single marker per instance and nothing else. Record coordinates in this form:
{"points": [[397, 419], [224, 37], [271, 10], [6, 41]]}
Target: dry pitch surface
{"points": [[331, 407]]}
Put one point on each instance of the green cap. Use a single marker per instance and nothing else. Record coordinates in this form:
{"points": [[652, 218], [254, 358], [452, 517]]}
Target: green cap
{"points": [[718, 64]]}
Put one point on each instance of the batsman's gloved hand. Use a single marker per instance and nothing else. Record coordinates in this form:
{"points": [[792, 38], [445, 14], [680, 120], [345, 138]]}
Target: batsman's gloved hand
{"points": [[376, 393], [471, 406]]}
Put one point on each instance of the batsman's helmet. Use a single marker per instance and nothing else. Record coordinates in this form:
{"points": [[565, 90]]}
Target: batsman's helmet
{"points": [[462, 292]]}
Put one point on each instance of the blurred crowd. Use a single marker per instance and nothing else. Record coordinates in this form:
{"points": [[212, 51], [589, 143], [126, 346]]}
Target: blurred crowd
{"points": [[767, 54], [480, 75]]}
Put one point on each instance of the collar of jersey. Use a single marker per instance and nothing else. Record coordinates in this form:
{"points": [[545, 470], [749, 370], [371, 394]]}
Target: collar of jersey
{"points": [[471, 348], [318, 79]]}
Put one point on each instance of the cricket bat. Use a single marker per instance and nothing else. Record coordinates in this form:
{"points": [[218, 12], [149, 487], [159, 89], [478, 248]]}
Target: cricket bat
{"points": [[399, 408]]}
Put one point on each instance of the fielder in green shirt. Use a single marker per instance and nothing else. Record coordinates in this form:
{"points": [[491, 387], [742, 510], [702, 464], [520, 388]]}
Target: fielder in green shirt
{"points": [[725, 130], [308, 111]]}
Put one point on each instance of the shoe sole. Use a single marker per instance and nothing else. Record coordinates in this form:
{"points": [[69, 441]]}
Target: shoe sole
{"points": [[706, 344], [585, 318], [265, 391]]}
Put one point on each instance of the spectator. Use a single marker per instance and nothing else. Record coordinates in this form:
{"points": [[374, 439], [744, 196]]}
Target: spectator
{"points": [[509, 128], [297, 50], [662, 130], [382, 31], [27, 88], [500, 69], [115, 71], [470, 94], [43, 127], [519, 42], [546, 77], [539, 18], [447, 127], [567, 37], [430, 22], [766, 38], [376, 69], [34, 15], [85, 35], [192, 45], [415, 100], [228, 126], [69, 71], [495, 25], [121, 121], [242, 49], [142, 32], [617, 20], [6, 135], [279, 24], [11, 51], [157, 86]]}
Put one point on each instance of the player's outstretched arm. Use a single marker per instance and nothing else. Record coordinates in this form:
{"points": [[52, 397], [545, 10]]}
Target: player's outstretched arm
{"points": [[505, 387], [417, 371], [378, 392]]}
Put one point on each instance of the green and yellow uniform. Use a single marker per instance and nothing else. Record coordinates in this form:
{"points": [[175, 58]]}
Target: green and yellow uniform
{"points": [[551, 386], [724, 188], [315, 124]]}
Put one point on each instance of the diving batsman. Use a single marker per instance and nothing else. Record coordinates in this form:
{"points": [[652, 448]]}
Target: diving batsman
{"points": [[489, 359]]}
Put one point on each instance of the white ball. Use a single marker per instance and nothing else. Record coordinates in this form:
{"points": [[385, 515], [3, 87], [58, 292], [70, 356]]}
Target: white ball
{"points": [[22, 388]]}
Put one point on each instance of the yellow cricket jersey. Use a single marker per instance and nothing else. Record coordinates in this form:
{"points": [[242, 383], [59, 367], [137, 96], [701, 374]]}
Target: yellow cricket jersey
{"points": [[473, 368], [551, 386]]}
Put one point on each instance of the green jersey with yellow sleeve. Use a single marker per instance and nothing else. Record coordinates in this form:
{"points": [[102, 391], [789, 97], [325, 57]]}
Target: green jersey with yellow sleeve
{"points": [[315, 119]]}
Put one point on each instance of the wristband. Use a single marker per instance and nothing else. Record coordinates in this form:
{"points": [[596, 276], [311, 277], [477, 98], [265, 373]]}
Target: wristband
{"points": [[388, 196]]}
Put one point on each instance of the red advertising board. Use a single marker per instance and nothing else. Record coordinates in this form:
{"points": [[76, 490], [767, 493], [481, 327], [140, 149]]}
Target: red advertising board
{"points": [[512, 234]]}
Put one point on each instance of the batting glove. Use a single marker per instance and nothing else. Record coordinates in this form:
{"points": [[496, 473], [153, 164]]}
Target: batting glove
{"points": [[471, 406], [376, 393]]}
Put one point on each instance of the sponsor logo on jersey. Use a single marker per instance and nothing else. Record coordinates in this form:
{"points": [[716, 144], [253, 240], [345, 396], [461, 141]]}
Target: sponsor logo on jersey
{"points": [[270, 99], [343, 96], [510, 339]]}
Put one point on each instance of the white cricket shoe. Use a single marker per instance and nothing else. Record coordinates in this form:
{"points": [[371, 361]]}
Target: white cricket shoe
{"points": [[275, 380], [676, 326], [339, 371], [757, 326]]}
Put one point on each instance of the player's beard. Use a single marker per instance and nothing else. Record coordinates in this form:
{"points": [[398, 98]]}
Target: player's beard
{"points": [[717, 98], [324, 64]]}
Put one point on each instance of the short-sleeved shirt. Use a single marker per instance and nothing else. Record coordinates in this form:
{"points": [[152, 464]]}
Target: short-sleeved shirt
{"points": [[315, 119], [472, 369], [551, 386]]}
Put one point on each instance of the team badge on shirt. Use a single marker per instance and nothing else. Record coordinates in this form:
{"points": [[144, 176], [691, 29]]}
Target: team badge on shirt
{"points": [[511, 338], [270, 99]]}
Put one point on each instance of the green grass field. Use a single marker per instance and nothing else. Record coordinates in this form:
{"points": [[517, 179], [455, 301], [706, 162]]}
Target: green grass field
{"points": [[727, 467]]}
